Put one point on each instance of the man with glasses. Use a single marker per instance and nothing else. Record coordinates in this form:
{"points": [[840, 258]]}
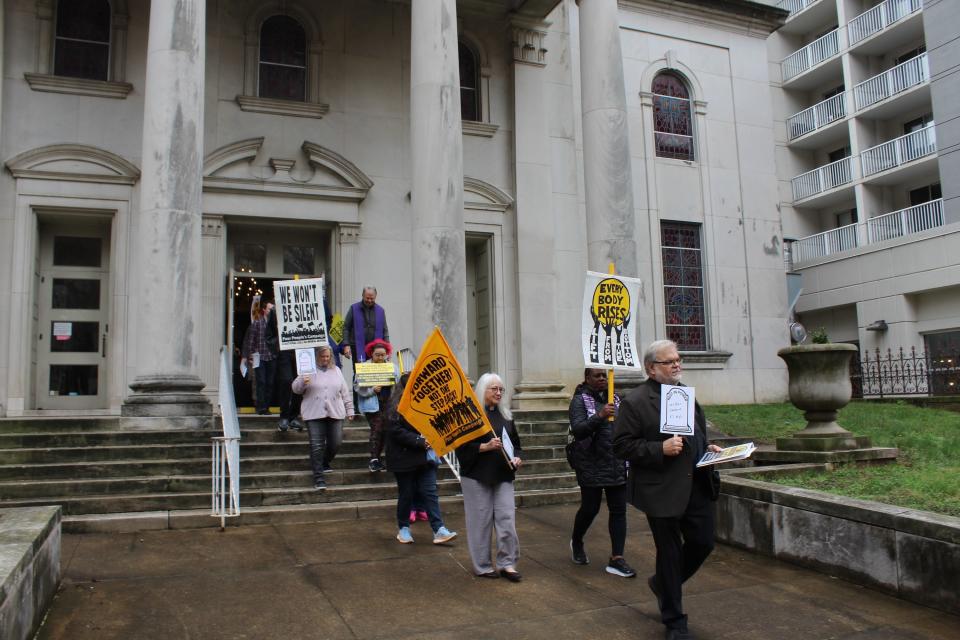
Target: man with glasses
{"points": [[664, 483]]}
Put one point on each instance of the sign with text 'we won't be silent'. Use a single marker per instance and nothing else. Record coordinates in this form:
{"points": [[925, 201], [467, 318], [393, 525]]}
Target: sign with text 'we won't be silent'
{"points": [[301, 318]]}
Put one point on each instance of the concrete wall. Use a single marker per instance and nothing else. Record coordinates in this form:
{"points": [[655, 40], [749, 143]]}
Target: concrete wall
{"points": [[914, 555], [29, 568]]}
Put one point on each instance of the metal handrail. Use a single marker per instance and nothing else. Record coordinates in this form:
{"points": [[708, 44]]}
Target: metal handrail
{"points": [[899, 151], [225, 458], [794, 6], [826, 243], [911, 73], [819, 115], [878, 18], [822, 179], [905, 221], [821, 49]]}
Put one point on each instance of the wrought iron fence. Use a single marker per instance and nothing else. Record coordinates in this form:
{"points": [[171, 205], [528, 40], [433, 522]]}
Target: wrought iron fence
{"points": [[905, 373]]}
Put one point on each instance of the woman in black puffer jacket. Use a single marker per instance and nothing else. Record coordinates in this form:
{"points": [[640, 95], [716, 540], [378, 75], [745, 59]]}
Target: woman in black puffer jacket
{"points": [[598, 470]]}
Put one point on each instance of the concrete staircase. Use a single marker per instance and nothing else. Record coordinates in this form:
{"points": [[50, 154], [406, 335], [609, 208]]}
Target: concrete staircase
{"points": [[109, 479]]}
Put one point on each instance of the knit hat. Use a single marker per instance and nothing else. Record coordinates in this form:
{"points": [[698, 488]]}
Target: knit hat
{"points": [[373, 344]]}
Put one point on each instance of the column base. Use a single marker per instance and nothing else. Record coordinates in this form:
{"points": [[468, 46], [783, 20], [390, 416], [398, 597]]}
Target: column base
{"points": [[167, 402], [541, 396]]}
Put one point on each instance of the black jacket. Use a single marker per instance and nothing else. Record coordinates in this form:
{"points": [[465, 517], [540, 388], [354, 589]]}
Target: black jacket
{"points": [[596, 465], [660, 485], [405, 447], [490, 467]]}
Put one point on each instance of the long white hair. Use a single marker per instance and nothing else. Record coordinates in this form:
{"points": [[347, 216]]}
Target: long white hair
{"points": [[487, 380]]}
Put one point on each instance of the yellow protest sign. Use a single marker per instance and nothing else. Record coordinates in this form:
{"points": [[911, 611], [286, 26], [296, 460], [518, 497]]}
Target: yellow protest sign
{"points": [[336, 328], [438, 401], [374, 374]]}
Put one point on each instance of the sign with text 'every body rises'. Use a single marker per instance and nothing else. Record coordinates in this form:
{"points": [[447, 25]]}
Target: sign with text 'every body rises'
{"points": [[608, 331], [301, 318]]}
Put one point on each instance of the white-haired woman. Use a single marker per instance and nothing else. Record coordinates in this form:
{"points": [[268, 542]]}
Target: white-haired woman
{"points": [[486, 477]]}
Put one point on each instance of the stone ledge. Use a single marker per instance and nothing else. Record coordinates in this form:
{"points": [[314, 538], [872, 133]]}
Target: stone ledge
{"points": [[479, 129], [256, 104], [78, 86], [29, 568]]}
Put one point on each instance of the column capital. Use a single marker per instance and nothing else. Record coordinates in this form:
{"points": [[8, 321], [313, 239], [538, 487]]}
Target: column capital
{"points": [[529, 39], [212, 226], [349, 232]]}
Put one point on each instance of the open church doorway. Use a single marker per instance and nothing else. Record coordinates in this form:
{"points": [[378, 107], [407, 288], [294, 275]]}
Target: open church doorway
{"points": [[479, 305]]}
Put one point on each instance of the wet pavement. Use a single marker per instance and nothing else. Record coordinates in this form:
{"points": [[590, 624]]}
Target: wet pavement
{"points": [[352, 579]]}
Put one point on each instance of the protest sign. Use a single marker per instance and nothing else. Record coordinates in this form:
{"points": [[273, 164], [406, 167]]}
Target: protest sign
{"points": [[438, 401], [375, 374], [608, 333], [306, 362], [301, 319], [677, 407]]}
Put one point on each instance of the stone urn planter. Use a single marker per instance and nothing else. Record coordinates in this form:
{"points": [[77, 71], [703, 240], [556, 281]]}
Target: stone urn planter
{"points": [[820, 387]]}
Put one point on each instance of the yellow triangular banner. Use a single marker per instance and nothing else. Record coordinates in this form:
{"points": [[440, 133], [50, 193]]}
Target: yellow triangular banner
{"points": [[438, 401]]}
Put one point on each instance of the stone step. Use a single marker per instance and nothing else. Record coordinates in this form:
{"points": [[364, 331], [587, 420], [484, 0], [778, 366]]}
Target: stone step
{"points": [[287, 514], [50, 425], [253, 497], [102, 438], [201, 481]]}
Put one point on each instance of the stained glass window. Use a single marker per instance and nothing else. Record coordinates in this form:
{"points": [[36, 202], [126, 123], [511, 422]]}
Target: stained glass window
{"points": [[672, 120], [469, 84], [283, 59], [683, 285], [82, 44]]}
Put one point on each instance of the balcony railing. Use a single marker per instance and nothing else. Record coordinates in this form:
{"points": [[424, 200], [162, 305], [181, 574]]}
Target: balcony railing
{"points": [[811, 55], [889, 83], [824, 244], [822, 179], [906, 221], [819, 115], [879, 18], [898, 151], [795, 6]]}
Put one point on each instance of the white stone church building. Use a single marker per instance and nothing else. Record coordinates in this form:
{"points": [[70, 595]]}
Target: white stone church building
{"points": [[470, 159]]}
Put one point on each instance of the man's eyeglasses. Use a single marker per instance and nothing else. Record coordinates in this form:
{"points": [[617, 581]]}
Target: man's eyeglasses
{"points": [[497, 389], [670, 363]]}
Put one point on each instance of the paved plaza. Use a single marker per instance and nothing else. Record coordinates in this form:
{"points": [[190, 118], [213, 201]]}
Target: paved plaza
{"points": [[351, 579]]}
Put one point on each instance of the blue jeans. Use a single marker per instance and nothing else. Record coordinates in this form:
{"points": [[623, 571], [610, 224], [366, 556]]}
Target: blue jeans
{"points": [[326, 435], [421, 483]]}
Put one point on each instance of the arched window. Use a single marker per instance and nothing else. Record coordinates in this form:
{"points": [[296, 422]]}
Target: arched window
{"points": [[672, 119], [469, 83], [283, 59], [82, 42]]}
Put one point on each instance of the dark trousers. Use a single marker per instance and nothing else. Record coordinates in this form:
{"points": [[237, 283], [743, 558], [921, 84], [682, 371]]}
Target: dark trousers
{"points": [[265, 374], [421, 484], [288, 400], [590, 498], [326, 435], [375, 420], [683, 543]]}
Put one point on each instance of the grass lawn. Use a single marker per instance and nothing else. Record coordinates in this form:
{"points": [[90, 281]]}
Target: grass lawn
{"points": [[926, 476]]}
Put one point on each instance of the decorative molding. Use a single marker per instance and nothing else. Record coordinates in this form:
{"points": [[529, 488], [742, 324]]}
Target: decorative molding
{"points": [[211, 226], [45, 35], [491, 197], [256, 104], [479, 129], [747, 18], [705, 358], [529, 45], [337, 164], [670, 62], [31, 164], [348, 232], [231, 153], [282, 165], [78, 86]]}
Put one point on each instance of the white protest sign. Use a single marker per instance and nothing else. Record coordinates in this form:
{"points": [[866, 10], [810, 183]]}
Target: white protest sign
{"points": [[608, 327], [677, 405], [301, 318], [306, 362]]}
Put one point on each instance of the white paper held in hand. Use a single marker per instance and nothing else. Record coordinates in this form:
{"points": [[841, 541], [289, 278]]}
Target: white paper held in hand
{"points": [[507, 445]]}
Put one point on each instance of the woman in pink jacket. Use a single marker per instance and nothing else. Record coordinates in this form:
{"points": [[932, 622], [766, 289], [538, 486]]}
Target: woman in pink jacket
{"points": [[326, 402]]}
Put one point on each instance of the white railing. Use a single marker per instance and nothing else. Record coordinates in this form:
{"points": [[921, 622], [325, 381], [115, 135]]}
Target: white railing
{"points": [[822, 179], [879, 18], [819, 115], [906, 221], [898, 151], [825, 244], [889, 83], [795, 6], [225, 465], [811, 55]]}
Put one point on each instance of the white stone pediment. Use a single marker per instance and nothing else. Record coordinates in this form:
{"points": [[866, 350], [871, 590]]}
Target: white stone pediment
{"points": [[75, 162], [312, 171], [484, 196]]}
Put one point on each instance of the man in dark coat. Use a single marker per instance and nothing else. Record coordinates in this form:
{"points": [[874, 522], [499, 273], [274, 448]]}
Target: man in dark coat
{"points": [[598, 469], [664, 483], [365, 322]]}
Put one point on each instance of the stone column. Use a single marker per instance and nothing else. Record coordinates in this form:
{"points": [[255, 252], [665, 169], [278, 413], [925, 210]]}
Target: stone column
{"points": [[167, 386], [436, 144], [606, 146], [540, 386]]}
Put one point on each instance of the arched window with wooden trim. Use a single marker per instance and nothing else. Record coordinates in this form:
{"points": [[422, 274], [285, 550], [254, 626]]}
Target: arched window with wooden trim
{"points": [[82, 40], [469, 83], [672, 117], [283, 59]]}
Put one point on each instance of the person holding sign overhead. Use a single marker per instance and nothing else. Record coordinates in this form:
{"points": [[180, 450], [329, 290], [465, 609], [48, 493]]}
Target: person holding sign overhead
{"points": [[664, 482], [488, 465], [326, 402]]}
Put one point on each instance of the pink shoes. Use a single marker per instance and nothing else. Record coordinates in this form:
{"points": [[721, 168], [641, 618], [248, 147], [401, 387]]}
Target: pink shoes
{"points": [[418, 515]]}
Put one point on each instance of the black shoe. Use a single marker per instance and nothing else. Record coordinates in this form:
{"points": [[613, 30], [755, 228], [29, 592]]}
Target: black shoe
{"points": [[320, 485], [375, 465], [512, 576], [296, 424], [652, 583], [327, 468], [577, 554], [679, 634], [263, 413], [489, 574], [619, 567], [284, 425]]}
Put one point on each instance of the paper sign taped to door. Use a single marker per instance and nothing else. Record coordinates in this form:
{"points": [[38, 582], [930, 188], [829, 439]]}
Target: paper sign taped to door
{"points": [[62, 331]]}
